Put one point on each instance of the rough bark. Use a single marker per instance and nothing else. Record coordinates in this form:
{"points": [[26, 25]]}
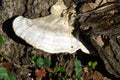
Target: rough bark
{"points": [[9, 9], [102, 30], [13, 47]]}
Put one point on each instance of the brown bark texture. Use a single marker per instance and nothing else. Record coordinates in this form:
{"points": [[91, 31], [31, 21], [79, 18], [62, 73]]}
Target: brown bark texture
{"points": [[101, 29], [9, 9]]}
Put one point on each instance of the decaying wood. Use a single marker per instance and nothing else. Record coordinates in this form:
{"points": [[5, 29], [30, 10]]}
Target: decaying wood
{"points": [[102, 29], [97, 3]]}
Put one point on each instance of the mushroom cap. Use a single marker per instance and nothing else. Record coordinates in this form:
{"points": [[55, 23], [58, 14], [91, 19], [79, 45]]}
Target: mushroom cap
{"points": [[52, 33]]}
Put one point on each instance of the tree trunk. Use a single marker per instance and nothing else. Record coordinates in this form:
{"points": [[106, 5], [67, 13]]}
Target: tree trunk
{"points": [[103, 29]]}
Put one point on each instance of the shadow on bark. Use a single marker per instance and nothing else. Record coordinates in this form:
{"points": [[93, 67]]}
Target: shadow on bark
{"points": [[8, 29]]}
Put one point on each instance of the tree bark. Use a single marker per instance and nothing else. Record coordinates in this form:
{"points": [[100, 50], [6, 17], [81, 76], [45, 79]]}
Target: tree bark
{"points": [[103, 30]]}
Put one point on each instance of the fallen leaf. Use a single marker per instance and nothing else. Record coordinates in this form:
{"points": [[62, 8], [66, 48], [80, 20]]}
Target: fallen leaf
{"points": [[97, 76], [40, 73], [8, 65]]}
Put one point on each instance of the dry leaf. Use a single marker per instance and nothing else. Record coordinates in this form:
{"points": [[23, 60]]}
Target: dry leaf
{"points": [[8, 65], [40, 74]]}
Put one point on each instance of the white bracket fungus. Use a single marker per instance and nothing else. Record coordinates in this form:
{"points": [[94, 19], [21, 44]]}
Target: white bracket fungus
{"points": [[52, 33]]}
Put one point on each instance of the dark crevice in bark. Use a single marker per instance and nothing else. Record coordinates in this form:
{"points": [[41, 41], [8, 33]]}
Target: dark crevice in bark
{"points": [[107, 55], [107, 62], [115, 50], [24, 14], [118, 40], [0, 2]]}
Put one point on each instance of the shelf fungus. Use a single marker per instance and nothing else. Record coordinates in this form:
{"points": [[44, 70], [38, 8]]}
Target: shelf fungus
{"points": [[52, 33]]}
